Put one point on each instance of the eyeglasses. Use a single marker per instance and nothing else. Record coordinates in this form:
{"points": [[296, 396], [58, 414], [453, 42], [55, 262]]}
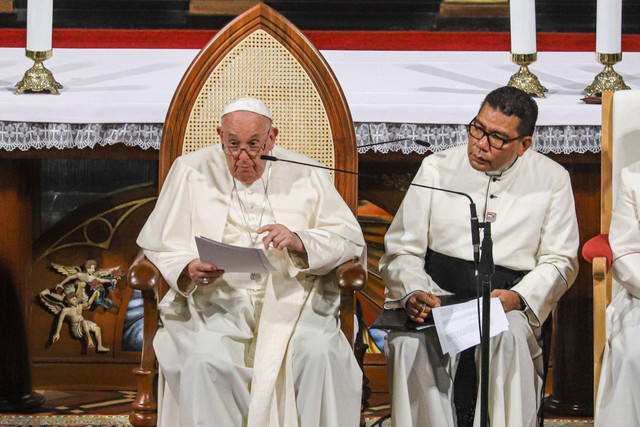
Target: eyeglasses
{"points": [[495, 141], [252, 149]]}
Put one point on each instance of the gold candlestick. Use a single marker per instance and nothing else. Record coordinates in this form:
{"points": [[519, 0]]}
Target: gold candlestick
{"points": [[525, 79], [38, 78], [608, 79]]}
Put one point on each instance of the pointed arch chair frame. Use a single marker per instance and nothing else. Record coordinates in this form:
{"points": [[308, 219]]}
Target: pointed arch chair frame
{"points": [[308, 106]]}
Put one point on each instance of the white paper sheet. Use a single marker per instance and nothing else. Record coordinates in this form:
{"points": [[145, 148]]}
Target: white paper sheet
{"points": [[233, 259], [457, 324]]}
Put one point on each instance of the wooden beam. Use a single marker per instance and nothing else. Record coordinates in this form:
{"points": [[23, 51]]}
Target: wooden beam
{"points": [[481, 8], [6, 6], [219, 7]]}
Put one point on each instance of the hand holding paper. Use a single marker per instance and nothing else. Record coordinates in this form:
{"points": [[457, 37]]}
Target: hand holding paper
{"points": [[457, 325], [233, 259], [203, 273]]}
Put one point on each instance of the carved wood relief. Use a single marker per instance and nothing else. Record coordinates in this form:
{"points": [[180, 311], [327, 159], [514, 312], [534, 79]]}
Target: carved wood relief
{"points": [[76, 278]]}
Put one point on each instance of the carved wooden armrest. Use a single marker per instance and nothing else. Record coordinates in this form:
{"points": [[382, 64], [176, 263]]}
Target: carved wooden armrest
{"points": [[351, 276], [144, 275]]}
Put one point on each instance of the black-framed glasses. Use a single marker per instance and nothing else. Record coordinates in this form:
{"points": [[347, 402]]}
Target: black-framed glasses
{"points": [[252, 149], [495, 141]]}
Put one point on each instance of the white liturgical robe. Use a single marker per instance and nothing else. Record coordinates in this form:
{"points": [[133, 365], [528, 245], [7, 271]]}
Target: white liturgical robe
{"points": [[534, 230], [618, 402], [268, 325]]}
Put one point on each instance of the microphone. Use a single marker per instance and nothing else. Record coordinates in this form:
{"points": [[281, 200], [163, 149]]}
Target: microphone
{"points": [[475, 225], [487, 267]]}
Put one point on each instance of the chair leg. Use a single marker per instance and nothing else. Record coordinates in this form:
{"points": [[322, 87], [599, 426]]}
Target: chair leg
{"points": [[144, 408]]}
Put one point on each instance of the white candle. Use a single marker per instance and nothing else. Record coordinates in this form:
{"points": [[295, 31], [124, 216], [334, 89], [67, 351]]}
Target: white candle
{"points": [[39, 25], [609, 26], [522, 15]]}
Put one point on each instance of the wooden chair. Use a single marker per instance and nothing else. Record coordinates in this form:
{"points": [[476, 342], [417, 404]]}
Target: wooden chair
{"points": [[258, 54], [620, 142]]}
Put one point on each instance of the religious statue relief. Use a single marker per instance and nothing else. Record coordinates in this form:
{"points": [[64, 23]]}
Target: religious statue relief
{"points": [[80, 290]]}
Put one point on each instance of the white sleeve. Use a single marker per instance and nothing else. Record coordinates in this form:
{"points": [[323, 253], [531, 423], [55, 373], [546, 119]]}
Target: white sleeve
{"points": [[167, 236], [624, 234], [557, 262], [334, 235], [402, 266]]}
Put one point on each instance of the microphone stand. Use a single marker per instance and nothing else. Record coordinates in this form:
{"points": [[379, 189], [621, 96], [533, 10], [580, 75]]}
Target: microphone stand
{"points": [[487, 268]]}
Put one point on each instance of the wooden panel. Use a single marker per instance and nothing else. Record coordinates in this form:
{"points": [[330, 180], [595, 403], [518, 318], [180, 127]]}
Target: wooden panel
{"points": [[375, 368], [15, 249], [573, 345], [105, 231], [85, 376]]}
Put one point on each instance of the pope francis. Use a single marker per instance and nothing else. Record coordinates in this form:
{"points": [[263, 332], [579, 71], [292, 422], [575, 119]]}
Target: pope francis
{"points": [[240, 349]]}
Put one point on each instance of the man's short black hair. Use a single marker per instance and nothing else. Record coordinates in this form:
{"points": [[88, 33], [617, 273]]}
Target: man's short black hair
{"points": [[514, 102]]}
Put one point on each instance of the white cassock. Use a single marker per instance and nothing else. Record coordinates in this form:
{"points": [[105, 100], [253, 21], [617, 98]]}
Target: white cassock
{"points": [[535, 230], [263, 351], [618, 402]]}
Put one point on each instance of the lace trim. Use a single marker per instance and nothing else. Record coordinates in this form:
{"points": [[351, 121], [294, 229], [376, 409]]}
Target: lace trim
{"points": [[547, 139], [25, 135]]}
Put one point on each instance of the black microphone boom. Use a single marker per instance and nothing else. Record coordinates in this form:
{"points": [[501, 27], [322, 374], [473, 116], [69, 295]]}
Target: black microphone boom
{"points": [[275, 159], [475, 226]]}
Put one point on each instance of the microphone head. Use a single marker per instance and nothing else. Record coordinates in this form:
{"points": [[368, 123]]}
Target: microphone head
{"points": [[421, 142], [270, 158]]}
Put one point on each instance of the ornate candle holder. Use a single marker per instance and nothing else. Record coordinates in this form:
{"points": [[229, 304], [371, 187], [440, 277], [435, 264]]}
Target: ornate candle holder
{"points": [[38, 78], [525, 79], [608, 79]]}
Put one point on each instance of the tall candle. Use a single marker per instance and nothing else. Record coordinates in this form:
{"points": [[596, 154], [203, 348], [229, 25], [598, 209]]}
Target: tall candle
{"points": [[522, 15], [39, 25], [609, 26]]}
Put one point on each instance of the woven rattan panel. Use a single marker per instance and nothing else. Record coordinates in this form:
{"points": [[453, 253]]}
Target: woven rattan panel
{"points": [[260, 67]]}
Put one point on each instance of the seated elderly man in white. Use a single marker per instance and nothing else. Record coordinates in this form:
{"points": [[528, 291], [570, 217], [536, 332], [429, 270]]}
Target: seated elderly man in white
{"points": [[253, 349], [618, 402]]}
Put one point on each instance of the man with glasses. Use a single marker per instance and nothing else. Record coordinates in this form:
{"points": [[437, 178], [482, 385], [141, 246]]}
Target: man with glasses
{"points": [[529, 200], [240, 349]]}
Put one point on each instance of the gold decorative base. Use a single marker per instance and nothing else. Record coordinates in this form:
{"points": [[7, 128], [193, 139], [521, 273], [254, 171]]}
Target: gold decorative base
{"points": [[524, 79], [38, 78], [608, 79]]}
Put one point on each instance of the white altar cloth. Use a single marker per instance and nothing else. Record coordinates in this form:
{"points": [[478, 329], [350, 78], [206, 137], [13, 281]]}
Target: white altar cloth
{"points": [[391, 88]]}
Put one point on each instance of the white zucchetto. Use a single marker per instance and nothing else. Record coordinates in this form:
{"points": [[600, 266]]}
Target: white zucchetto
{"points": [[247, 104]]}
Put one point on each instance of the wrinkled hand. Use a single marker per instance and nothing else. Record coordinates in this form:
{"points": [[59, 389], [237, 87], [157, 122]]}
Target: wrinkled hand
{"points": [[510, 300], [281, 237], [202, 273], [419, 305]]}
